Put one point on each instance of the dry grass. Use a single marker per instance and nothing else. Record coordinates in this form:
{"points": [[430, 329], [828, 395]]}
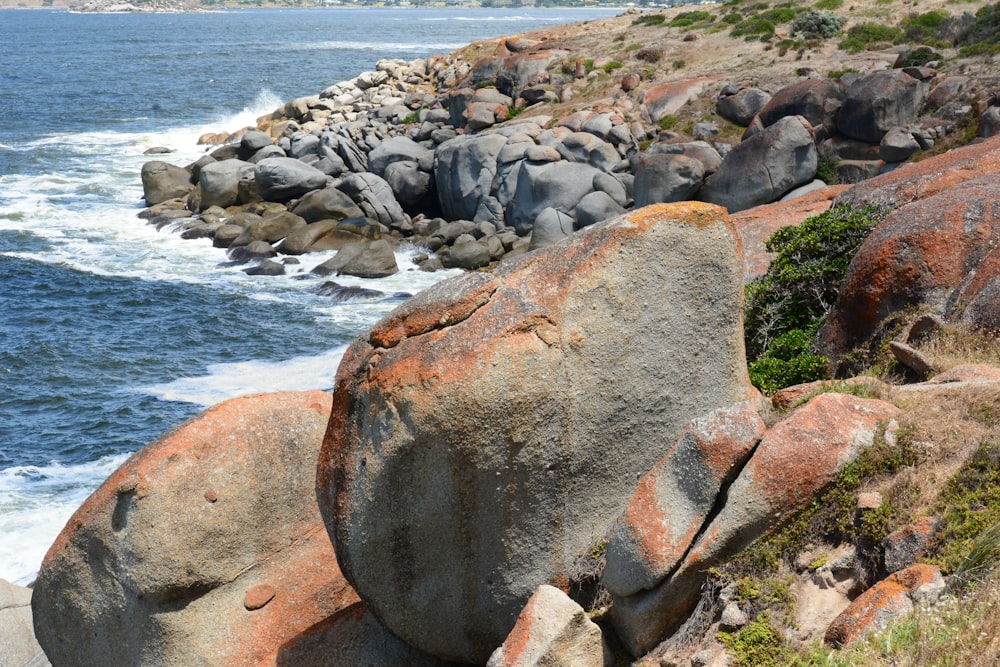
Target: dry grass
{"points": [[954, 346]]}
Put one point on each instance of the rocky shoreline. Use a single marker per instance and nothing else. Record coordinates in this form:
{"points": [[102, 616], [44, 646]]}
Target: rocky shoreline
{"points": [[539, 463], [475, 160]]}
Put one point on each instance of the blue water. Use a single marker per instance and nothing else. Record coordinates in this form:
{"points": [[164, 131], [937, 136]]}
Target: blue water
{"points": [[110, 331]]}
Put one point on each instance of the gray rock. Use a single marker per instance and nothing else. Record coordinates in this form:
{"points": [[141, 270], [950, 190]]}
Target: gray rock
{"points": [[446, 519], [551, 631], [282, 179], [740, 107], [911, 358], [989, 122], [362, 259], [266, 268], [464, 171], [399, 149], [550, 227], [702, 151], [465, 253], [596, 207], [666, 178], [303, 144], [266, 152], [897, 145], [326, 204], [764, 167], [374, 197], [162, 182], [878, 102], [271, 229], [409, 183], [556, 185], [219, 182], [18, 646], [816, 100], [252, 142]]}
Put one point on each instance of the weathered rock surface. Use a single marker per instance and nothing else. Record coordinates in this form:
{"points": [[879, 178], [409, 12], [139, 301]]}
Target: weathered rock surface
{"points": [[928, 253], [219, 182], [765, 166], [816, 100], [885, 602], [795, 461], [673, 500], [878, 102], [18, 646], [664, 178], [446, 518], [162, 564], [364, 259], [283, 178], [551, 631], [162, 181]]}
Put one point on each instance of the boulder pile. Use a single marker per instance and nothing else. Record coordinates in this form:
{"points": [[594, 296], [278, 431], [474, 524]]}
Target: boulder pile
{"points": [[474, 161]]}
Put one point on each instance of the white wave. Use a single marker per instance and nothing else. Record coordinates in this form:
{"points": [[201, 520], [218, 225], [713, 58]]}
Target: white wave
{"points": [[225, 381], [35, 504]]}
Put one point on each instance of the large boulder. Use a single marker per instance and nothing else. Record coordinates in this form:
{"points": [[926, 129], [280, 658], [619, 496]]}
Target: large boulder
{"points": [[795, 461], [162, 181], [666, 99], [878, 102], [463, 173], [204, 548], [816, 100], [283, 178], [328, 203], [489, 429], [662, 177], [556, 185], [739, 104], [219, 182], [374, 197], [942, 252], [363, 259], [765, 166]]}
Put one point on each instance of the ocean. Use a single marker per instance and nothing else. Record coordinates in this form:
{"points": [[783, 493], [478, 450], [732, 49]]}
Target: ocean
{"points": [[112, 332]]}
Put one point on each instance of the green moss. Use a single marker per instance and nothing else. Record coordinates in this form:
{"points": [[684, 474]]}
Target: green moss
{"points": [[611, 66], [668, 122]]}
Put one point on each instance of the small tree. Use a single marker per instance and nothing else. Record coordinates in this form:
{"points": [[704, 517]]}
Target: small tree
{"points": [[787, 305]]}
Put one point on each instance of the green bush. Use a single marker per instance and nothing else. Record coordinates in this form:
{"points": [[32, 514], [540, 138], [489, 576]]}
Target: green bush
{"points": [[829, 5], [756, 645], [983, 36], [817, 25], [650, 19], [868, 35], [779, 14], [684, 19], [786, 306], [612, 66], [754, 29]]}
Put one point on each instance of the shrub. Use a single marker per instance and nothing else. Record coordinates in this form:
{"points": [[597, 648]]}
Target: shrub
{"points": [[650, 20], [756, 645], [611, 66], [668, 122], [829, 4], [868, 35], [817, 25], [786, 306], [684, 19], [754, 29], [779, 14], [983, 36]]}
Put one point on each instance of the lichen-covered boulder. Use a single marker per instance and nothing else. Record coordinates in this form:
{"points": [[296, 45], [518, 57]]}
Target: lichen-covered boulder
{"points": [[795, 461], [489, 430], [204, 548]]}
